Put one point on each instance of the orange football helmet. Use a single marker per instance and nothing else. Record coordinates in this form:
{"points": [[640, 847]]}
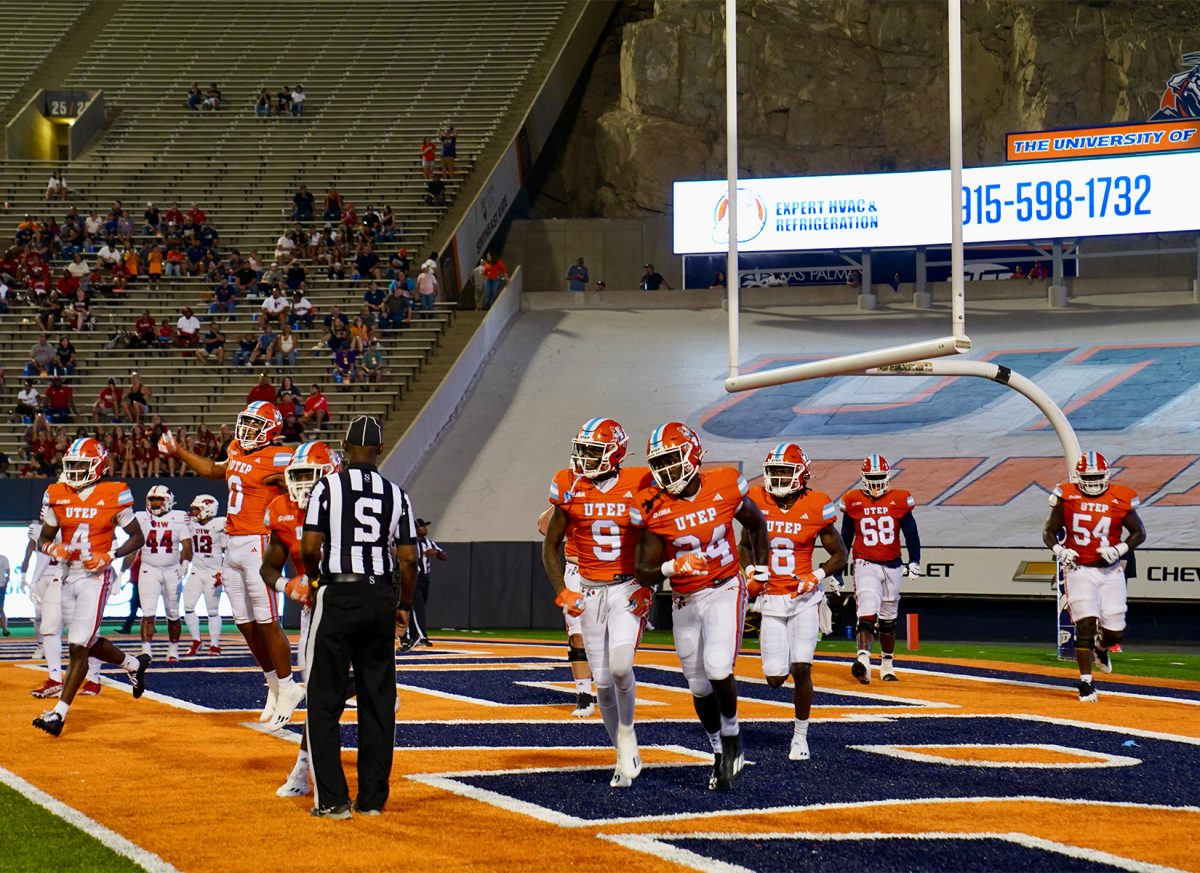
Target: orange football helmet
{"points": [[674, 455], [258, 425], [786, 470], [598, 448], [876, 474], [310, 463], [1092, 473], [84, 463]]}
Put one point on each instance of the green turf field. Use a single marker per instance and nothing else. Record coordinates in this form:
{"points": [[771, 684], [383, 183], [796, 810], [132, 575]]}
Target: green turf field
{"points": [[1181, 664], [33, 836]]}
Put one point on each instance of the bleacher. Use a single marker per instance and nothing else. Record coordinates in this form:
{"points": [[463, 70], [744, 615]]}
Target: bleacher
{"points": [[378, 80], [27, 38]]}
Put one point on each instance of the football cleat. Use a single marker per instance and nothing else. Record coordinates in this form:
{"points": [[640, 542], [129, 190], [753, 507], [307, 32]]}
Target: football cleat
{"points": [[424, 643], [861, 670], [732, 759], [39, 652], [1087, 692], [297, 784], [619, 780], [268, 712], [138, 677], [50, 722], [194, 649], [91, 689], [286, 701], [585, 705], [333, 813], [214, 650], [714, 778], [887, 670], [49, 688], [1103, 661], [799, 749], [629, 760], [405, 645], [172, 659]]}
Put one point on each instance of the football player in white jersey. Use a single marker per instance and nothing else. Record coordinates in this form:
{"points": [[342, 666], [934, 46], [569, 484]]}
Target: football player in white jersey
{"points": [[208, 549], [168, 547]]}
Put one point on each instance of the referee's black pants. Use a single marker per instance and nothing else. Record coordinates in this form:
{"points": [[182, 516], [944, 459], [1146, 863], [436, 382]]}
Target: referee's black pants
{"points": [[416, 627], [352, 623]]}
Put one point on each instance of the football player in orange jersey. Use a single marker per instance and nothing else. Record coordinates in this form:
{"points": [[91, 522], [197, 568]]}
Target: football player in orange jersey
{"points": [[254, 475], [593, 501], [874, 517], [87, 511], [311, 462], [790, 595], [1084, 532], [688, 538], [585, 703]]}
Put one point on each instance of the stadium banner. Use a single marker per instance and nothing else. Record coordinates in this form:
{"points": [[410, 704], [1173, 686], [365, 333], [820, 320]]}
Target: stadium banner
{"points": [[1010, 202], [1111, 140], [481, 222]]}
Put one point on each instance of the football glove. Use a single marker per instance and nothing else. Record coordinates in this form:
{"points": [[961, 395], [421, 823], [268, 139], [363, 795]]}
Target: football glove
{"points": [[824, 618], [808, 582], [167, 444], [1112, 554], [297, 588], [640, 600], [1068, 557], [57, 551], [571, 602], [97, 560], [912, 570], [691, 564]]}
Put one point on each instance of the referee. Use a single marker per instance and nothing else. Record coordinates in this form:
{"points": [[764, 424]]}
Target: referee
{"points": [[357, 530]]}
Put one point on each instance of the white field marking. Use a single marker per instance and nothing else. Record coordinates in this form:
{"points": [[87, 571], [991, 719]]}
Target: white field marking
{"points": [[446, 695], [665, 851], [449, 667], [568, 721], [642, 842], [906, 752], [1065, 722], [568, 688], [282, 734], [185, 705], [111, 839], [1104, 692]]}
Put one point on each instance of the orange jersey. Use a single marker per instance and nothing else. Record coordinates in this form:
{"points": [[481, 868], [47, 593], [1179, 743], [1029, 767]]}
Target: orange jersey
{"points": [[569, 552], [877, 523], [87, 520], [792, 533], [1094, 522], [285, 519], [601, 535], [249, 494], [702, 523]]}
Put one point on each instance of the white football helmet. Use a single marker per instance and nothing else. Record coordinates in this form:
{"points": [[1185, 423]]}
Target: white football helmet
{"points": [[159, 500], [205, 508], [876, 475], [786, 470], [1092, 473], [310, 463]]}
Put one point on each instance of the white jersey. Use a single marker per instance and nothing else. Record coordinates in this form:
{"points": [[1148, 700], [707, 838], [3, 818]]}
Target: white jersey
{"points": [[208, 544], [165, 536]]}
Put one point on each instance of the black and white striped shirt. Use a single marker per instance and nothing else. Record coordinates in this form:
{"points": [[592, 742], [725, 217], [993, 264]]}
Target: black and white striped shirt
{"points": [[422, 558], [363, 517]]}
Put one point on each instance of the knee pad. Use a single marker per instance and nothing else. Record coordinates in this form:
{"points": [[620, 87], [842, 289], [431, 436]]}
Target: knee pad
{"points": [[620, 662], [1111, 637], [576, 653], [866, 625], [887, 626], [700, 687], [1085, 633]]}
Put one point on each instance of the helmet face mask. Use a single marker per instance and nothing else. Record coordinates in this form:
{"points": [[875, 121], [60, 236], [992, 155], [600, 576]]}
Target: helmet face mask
{"points": [[204, 508], [876, 475], [300, 481], [674, 455], [159, 500], [311, 463], [1092, 474], [598, 449], [257, 425], [83, 463], [786, 470]]}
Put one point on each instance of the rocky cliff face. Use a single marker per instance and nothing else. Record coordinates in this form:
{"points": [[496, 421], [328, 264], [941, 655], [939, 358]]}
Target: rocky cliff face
{"points": [[830, 86]]}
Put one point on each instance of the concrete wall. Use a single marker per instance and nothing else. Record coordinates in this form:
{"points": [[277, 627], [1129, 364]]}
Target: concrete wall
{"points": [[30, 135]]}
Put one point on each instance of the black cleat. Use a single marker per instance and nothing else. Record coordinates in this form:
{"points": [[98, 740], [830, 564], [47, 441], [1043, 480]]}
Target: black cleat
{"points": [[138, 677], [366, 812], [424, 643], [1103, 661], [861, 672], [731, 759], [50, 722], [1087, 692], [406, 645], [714, 778], [333, 813]]}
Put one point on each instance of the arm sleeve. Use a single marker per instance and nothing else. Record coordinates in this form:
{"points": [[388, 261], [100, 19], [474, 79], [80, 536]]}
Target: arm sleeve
{"points": [[912, 539], [847, 531]]}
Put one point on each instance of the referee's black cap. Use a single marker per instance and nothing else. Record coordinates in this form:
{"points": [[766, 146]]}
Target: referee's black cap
{"points": [[364, 431]]}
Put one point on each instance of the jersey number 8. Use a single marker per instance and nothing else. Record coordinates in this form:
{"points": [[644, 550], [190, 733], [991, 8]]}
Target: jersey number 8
{"points": [[878, 531]]}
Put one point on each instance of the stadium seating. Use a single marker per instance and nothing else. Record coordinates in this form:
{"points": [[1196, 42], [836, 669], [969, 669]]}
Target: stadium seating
{"points": [[28, 37]]}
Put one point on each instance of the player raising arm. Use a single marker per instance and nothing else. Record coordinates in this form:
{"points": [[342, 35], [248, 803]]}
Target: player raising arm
{"points": [[1087, 516], [875, 516], [688, 538], [87, 512], [592, 501], [788, 588]]}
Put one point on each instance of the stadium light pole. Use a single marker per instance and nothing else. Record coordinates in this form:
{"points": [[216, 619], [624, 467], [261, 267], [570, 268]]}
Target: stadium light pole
{"points": [[732, 283], [957, 296]]}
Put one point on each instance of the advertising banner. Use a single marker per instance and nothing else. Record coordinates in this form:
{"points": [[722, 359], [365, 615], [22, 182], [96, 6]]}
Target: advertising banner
{"points": [[1108, 141]]}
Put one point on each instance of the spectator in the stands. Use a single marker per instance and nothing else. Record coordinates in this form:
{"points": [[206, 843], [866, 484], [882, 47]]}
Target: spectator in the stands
{"points": [[206, 443], [298, 98], [133, 263], [274, 309], [718, 280], [337, 270], [399, 262], [145, 330], [212, 345], [175, 261], [56, 188], [428, 158], [302, 205], [283, 101], [49, 309], [449, 137], [81, 311], [435, 191], [108, 255], [495, 274], [332, 210], [151, 220], [366, 263], [173, 216], [577, 276], [287, 347], [296, 276], [362, 329], [264, 346], [337, 327], [194, 258], [4, 292], [349, 219], [293, 429], [388, 229], [370, 366], [29, 402], [396, 307], [60, 401], [288, 391], [65, 353], [246, 347], [262, 104], [284, 247], [427, 288], [187, 329], [212, 97], [301, 315], [652, 280], [41, 358], [224, 298], [194, 218], [67, 285], [43, 451], [154, 266], [316, 408], [137, 398], [374, 298], [108, 404], [345, 365], [195, 97], [262, 391]]}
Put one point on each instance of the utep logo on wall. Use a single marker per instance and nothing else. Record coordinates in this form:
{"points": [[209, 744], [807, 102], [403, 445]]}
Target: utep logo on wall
{"points": [[752, 217], [1181, 99], [1113, 388]]}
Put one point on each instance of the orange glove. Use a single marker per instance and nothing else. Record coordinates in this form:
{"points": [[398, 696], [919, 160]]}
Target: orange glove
{"points": [[640, 600], [690, 564], [754, 587], [167, 444], [571, 601], [57, 551], [298, 589], [97, 560], [808, 583], [756, 580]]}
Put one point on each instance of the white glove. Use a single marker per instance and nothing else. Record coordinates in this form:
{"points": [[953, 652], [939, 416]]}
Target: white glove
{"points": [[912, 570], [836, 584], [1068, 557], [167, 444], [824, 617], [1112, 554], [757, 574]]}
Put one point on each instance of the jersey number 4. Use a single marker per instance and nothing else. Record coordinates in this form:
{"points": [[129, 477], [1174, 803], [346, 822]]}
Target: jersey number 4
{"points": [[1082, 534], [156, 541], [717, 548]]}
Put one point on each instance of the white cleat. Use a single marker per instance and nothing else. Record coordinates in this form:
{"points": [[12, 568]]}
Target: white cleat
{"points": [[39, 652], [799, 750], [296, 786], [629, 760], [268, 712], [619, 780], [288, 699], [887, 671]]}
